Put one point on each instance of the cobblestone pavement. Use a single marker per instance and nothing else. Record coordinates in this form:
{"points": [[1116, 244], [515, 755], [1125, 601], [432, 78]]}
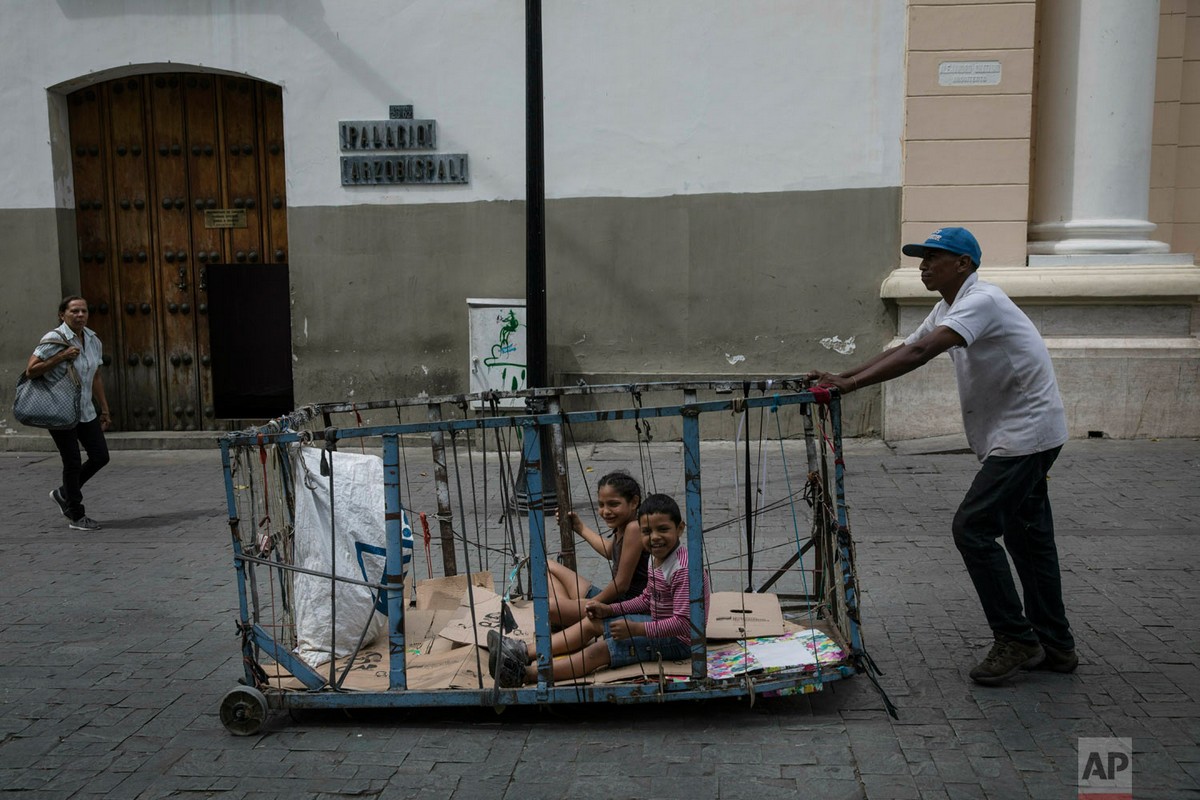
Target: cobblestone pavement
{"points": [[115, 648]]}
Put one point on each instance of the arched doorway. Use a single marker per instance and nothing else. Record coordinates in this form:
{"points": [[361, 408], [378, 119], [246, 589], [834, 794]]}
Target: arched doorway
{"points": [[176, 175]]}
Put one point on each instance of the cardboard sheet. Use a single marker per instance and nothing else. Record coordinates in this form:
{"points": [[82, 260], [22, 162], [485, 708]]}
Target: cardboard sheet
{"points": [[437, 670], [487, 618], [474, 664], [420, 632], [738, 615], [448, 593], [641, 672]]}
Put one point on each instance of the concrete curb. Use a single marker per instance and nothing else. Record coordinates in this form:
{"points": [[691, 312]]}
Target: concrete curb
{"points": [[41, 442]]}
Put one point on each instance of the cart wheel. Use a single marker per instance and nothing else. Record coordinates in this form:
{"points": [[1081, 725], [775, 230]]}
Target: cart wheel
{"points": [[243, 710]]}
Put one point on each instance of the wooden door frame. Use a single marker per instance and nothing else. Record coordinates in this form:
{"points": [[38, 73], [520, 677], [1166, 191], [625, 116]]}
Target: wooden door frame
{"points": [[62, 159]]}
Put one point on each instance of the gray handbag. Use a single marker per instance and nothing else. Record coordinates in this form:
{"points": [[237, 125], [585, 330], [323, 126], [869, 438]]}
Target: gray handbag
{"points": [[49, 402]]}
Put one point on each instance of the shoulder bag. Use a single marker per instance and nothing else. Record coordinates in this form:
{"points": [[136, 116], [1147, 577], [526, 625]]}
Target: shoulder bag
{"points": [[45, 403]]}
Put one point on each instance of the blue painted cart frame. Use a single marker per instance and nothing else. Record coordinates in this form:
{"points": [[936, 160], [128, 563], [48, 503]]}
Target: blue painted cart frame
{"points": [[244, 708]]}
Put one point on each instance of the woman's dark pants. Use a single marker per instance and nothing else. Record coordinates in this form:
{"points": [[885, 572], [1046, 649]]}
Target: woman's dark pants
{"points": [[75, 474]]}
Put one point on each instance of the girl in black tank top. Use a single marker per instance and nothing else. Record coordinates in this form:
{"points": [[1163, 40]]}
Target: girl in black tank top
{"points": [[618, 496]]}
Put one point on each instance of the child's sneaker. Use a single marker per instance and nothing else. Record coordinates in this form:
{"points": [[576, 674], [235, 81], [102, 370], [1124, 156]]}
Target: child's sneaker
{"points": [[510, 671], [1006, 658], [1064, 661], [506, 666], [499, 646], [84, 524], [493, 646]]}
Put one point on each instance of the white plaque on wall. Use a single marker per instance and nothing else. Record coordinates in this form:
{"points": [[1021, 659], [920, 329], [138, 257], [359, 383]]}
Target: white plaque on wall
{"points": [[969, 73]]}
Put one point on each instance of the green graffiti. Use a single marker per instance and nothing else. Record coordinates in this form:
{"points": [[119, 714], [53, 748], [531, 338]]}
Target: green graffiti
{"points": [[503, 349]]}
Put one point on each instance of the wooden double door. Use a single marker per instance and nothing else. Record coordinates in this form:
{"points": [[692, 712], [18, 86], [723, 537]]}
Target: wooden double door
{"points": [[174, 174]]}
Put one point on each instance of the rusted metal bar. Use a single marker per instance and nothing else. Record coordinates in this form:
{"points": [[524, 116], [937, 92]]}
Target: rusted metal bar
{"points": [[441, 480], [562, 484]]}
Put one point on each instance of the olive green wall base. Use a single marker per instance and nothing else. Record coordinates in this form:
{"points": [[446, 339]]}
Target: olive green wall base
{"points": [[687, 287], [718, 285], [740, 285], [33, 285]]}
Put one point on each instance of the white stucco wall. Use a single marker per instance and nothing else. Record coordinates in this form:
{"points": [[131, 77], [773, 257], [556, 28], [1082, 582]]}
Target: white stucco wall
{"points": [[642, 98]]}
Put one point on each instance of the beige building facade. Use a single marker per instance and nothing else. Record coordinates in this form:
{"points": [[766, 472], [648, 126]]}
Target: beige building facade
{"points": [[1066, 135], [727, 190]]}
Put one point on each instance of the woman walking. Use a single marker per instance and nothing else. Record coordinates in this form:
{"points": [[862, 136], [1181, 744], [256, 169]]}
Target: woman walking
{"points": [[73, 342]]}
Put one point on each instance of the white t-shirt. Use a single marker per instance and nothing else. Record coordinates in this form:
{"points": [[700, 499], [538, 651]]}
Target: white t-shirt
{"points": [[1006, 386]]}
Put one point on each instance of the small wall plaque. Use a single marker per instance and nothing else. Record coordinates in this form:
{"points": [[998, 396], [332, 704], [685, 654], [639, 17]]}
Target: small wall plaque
{"points": [[402, 169], [388, 134], [225, 218], [373, 160], [969, 73]]}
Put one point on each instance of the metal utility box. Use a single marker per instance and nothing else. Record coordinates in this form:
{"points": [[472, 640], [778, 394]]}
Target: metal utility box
{"points": [[498, 346]]}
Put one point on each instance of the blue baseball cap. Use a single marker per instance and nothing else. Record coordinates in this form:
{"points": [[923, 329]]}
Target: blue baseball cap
{"points": [[959, 241]]}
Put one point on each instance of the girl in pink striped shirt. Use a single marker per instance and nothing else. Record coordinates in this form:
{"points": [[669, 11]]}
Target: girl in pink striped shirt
{"points": [[656, 623]]}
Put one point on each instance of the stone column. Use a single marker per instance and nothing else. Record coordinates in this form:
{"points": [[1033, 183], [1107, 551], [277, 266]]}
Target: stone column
{"points": [[1095, 111]]}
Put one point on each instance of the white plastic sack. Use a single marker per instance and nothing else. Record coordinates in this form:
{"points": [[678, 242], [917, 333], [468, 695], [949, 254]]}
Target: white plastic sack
{"points": [[359, 509]]}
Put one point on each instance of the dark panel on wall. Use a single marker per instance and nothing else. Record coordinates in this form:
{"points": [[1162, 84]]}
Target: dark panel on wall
{"points": [[251, 340]]}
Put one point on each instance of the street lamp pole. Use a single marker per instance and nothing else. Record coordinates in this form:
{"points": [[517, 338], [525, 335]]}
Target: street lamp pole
{"points": [[535, 200], [536, 375]]}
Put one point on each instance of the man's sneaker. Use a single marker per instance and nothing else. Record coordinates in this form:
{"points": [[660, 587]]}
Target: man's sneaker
{"points": [[85, 524], [1056, 660], [61, 501], [1006, 658]]}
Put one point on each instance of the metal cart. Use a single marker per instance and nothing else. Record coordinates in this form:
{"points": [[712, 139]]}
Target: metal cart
{"points": [[530, 452]]}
